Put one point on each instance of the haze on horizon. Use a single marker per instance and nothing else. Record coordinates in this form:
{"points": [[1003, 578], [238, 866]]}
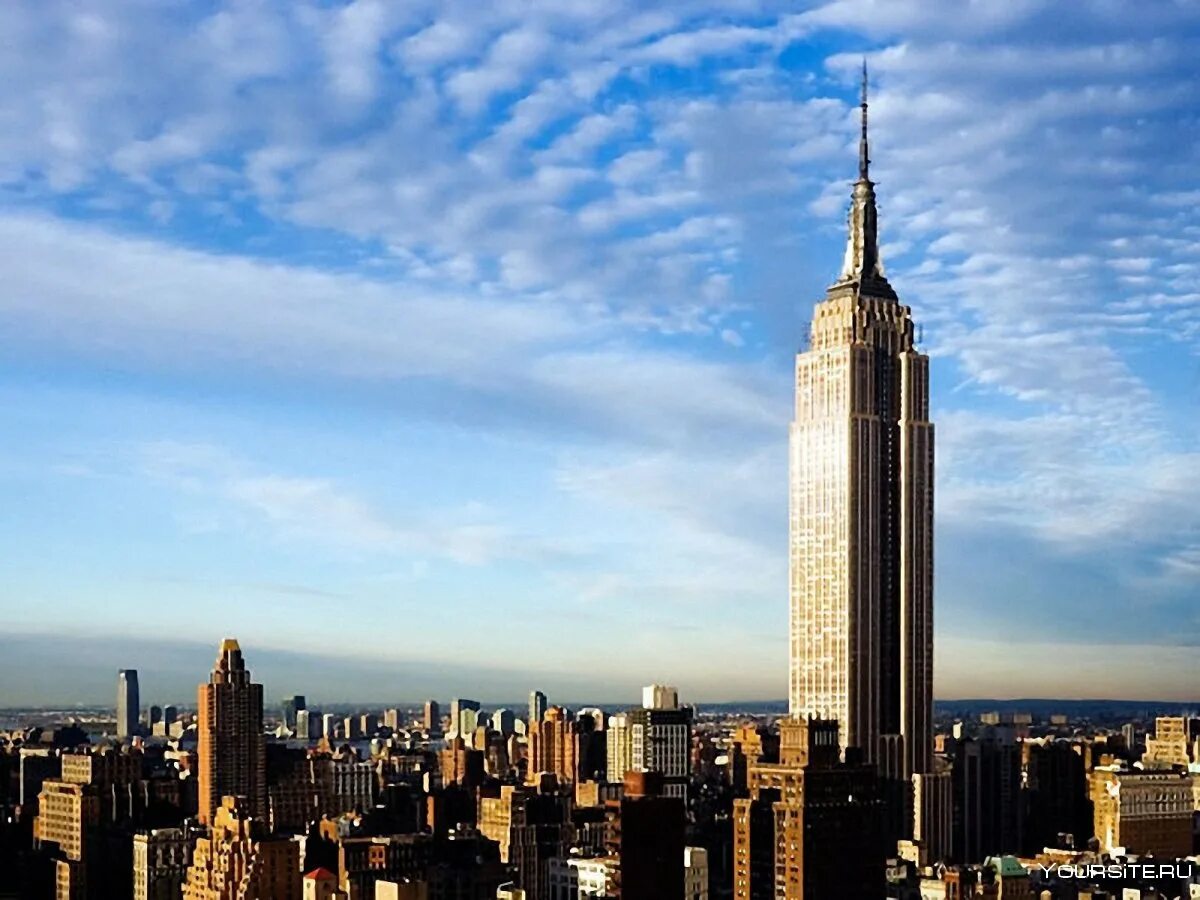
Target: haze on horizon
{"points": [[423, 347]]}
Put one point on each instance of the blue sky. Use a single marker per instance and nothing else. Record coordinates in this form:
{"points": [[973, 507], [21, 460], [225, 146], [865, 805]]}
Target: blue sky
{"points": [[457, 337]]}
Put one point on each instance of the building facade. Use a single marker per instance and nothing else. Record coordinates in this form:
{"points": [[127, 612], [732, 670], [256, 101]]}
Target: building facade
{"points": [[128, 703], [660, 740], [1142, 812]]}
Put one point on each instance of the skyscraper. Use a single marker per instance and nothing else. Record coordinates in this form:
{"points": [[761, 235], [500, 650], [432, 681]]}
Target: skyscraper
{"points": [[231, 746], [289, 708], [861, 511], [553, 748], [433, 717], [537, 707], [128, 703], [464, 716]]}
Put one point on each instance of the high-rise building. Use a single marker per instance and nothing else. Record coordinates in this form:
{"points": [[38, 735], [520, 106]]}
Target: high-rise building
{"points": [[504, 722], [647, 840], [1143, 812], [1172, 743], [660, 740], [95, 790], [236, 863], [861, 511], [986, 787], [459, 763], [464, 716], [304, 725], [618, 749], [433, 717], [810, 828], [1055, 802], [695, 873], [128, 703], [591, 745], [537, 707], [289, 708], [231, 746], [553, 748], [1129, 731], [532, 825], [933, 811], [660, 696]]}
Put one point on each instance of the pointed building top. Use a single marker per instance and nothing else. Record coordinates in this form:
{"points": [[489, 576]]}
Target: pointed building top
{"points": [[864, 158], [861, 265]]}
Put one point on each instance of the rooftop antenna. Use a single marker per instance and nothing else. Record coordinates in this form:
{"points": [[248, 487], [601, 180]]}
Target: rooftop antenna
{"points": [[864, 159]]}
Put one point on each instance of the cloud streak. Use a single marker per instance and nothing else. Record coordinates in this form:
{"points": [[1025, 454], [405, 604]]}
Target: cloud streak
{"points": [[592, 235]]}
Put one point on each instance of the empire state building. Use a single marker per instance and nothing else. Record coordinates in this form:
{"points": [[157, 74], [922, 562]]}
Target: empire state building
{"points": [[861, 511]]}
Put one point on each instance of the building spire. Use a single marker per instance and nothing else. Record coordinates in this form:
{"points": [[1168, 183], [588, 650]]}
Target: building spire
{"points": [[861, 264], [864, 158]]}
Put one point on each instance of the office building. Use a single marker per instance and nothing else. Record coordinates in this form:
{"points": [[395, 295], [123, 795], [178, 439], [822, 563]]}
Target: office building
{"points": [[537, 707], [464, 717], [532, 825], [305, 725], [553, 748], [289, 708], [231, 746], [660, 696], [504, 722], [695, 873], [1142, 812], [986, 788], [1172, 743], [811, 827], [617, 748], [647, 840], [1058, 811], [432, 719], [128, 703], [660, 740]]}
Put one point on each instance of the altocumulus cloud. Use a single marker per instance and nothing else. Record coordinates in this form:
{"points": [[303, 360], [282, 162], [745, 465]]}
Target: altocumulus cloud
{"points": [[578, 244]]}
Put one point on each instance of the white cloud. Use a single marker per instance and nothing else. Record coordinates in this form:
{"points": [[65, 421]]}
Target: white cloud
{"points": [[553, 237]]}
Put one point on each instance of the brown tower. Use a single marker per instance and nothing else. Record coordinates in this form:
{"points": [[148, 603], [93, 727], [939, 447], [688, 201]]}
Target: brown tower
{"points": [[231, 746], [552, 747]]}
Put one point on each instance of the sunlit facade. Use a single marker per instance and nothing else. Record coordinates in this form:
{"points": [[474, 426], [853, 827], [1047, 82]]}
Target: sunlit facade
{"points": [[861, 512]]}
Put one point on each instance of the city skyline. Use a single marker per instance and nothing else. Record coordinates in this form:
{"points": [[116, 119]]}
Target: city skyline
{"points": [[326, 404]]}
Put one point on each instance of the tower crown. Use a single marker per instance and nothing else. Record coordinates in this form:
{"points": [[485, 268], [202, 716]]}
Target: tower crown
{"points": [[861, 265]]}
